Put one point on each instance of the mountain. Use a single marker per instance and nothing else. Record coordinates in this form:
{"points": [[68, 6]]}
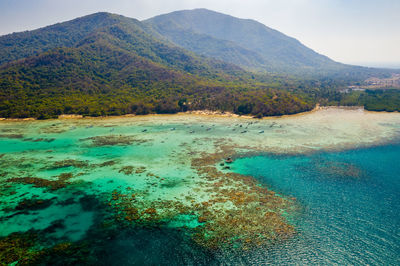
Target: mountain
{"points": [[23, 44], [130, 34], [243, 42], [106, 64]]}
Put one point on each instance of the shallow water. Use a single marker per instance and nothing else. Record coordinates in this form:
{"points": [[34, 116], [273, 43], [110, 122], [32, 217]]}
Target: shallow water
{"points": [[156, 190]]}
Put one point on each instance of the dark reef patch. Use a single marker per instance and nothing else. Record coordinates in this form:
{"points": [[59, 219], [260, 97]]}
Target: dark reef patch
{"points": [[114, 140], [69, 163], [39, 182], [12, 136], [59, 183], [127, 170], [40, 139], [333, 168], [34, 204]]}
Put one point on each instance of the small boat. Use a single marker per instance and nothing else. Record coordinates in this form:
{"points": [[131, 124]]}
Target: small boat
{"points": [[262, 131], [144, 130]]}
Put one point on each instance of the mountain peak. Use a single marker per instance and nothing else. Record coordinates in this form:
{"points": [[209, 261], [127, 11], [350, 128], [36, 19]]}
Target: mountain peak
{"points": [[207, 32]]}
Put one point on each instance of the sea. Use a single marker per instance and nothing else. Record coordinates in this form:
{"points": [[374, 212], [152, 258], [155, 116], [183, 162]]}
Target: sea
{"points": [[188, 189]]}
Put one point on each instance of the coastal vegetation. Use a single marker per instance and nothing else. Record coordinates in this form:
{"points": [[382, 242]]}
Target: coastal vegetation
{"points": [[121, 69], [374, 100]]}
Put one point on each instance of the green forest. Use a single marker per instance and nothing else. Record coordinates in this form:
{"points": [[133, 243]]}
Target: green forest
{"points": [[105, 64]]}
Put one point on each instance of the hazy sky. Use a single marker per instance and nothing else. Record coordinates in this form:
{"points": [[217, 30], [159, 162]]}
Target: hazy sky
{"points": [[350, 31]]}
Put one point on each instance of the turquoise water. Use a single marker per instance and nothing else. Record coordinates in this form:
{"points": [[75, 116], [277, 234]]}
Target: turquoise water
{"points": [[350, 204], [158, 190]]}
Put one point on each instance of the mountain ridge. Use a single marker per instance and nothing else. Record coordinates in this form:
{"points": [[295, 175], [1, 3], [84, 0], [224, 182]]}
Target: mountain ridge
{"points": [[267, 43], [15, 46]]}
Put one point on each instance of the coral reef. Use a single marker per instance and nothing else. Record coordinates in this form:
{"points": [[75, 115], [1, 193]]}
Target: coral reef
{"points": [[341, 169], [107, 163], [17, 247], [22, 249], [12, 136], [114, 140], [59, 183], [69, 163], [255, 216], [39, 182], [48, 140], [33, 204], [334, 169], [127, 170], [240, 212]]}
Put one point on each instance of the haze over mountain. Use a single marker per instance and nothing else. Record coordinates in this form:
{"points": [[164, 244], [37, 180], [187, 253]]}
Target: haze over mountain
{"points": [[244, 42]]}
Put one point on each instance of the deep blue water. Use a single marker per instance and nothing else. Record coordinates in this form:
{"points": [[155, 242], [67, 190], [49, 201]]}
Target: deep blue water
{"points": [[350, 202]]}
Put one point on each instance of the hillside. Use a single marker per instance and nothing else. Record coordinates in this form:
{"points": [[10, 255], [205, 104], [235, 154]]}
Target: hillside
{"points": [[23, 44], [120, 68], [274, 50], [107, 64], [128, 33], [250, 44]]}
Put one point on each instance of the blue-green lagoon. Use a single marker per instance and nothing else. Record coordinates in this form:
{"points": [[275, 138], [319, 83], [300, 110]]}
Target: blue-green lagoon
{"points": [[320, 187]]}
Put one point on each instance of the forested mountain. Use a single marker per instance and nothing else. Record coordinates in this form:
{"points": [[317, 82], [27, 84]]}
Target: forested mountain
{"points": [[264, 47], [127, 33], [106, 64], [68, 34], [119, 68], [248, 43]]}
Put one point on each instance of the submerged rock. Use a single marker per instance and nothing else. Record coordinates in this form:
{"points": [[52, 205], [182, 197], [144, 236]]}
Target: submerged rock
{"points": [[202, 219], [33, 204]]}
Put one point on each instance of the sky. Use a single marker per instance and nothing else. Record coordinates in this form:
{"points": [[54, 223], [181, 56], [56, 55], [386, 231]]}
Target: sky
{"points": [[364, 32]]}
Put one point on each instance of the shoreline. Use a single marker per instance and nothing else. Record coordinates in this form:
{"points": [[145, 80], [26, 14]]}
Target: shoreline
{"points": [[201, 113], [207, 113], [299, 133]]}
